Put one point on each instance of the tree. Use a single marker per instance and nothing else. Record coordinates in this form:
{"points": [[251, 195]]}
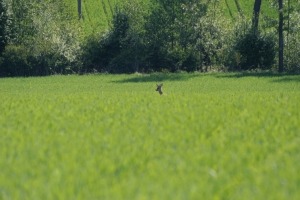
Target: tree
{"points": [[255, 17], [288, 33], [280, 37], [43, 37], [292, 37], [3, 26], [121, 49], [79, 9], [173, 34], [21, 25]]}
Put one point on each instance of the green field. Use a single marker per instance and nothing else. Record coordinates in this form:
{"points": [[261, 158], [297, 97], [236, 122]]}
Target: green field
{"points": [[210, 136], [97, 14]]}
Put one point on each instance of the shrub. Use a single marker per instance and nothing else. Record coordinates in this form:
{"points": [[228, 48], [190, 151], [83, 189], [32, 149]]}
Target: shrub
{"points": [[90, 55], [115, 51], [15, 61], [19, 60], [254, 50]]}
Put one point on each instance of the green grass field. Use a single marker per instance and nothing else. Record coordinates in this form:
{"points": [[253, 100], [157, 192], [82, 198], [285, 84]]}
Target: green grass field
{"points": [[97, 14], [210, 136]]}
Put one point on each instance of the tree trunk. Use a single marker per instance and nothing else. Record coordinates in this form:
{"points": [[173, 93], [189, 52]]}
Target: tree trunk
{"points": [[255, 17], [280, 34], [288, 35], [79, 9]]}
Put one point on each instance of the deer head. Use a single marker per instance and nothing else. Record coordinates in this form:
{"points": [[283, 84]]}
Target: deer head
{"points": [[158, 89]]}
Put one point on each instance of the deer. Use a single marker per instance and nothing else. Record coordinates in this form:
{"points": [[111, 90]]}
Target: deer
{"points": [[159, 88]]}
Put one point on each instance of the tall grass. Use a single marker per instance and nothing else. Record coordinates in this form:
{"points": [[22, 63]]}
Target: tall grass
{"points": [[210, 136]]}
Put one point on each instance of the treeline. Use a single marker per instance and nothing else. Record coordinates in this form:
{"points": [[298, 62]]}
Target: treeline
{"points": [[40, 38], [43, 38]]}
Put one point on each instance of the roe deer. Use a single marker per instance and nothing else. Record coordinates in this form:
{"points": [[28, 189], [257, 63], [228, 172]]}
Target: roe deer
{"points": [[158, 89]]}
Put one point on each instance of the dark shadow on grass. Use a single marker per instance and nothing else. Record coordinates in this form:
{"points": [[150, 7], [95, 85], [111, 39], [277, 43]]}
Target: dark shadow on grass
{"points": [[288, 79], [162, 77], [275, 77], [158, 77]]}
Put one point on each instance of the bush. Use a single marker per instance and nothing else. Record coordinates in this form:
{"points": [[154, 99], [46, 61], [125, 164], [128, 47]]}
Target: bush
{"points": [[18, 60], [90, 55], [15, 61], [254, 50], [115, 51]]}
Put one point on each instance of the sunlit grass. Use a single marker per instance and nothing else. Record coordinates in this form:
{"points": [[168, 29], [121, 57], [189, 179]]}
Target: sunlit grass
{"points": [[210, 136]]}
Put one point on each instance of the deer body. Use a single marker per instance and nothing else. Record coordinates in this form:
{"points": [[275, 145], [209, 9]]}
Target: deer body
{"points": [[159, 88]]}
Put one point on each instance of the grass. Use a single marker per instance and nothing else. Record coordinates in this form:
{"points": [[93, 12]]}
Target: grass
{"points": [[210, 136], [97, 14], [230, 8]]}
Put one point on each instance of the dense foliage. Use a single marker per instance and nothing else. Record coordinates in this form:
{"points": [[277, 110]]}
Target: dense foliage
{"points": [[182, 35], [3, 26], [292, 50], [42, 38], [255, 51]]}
